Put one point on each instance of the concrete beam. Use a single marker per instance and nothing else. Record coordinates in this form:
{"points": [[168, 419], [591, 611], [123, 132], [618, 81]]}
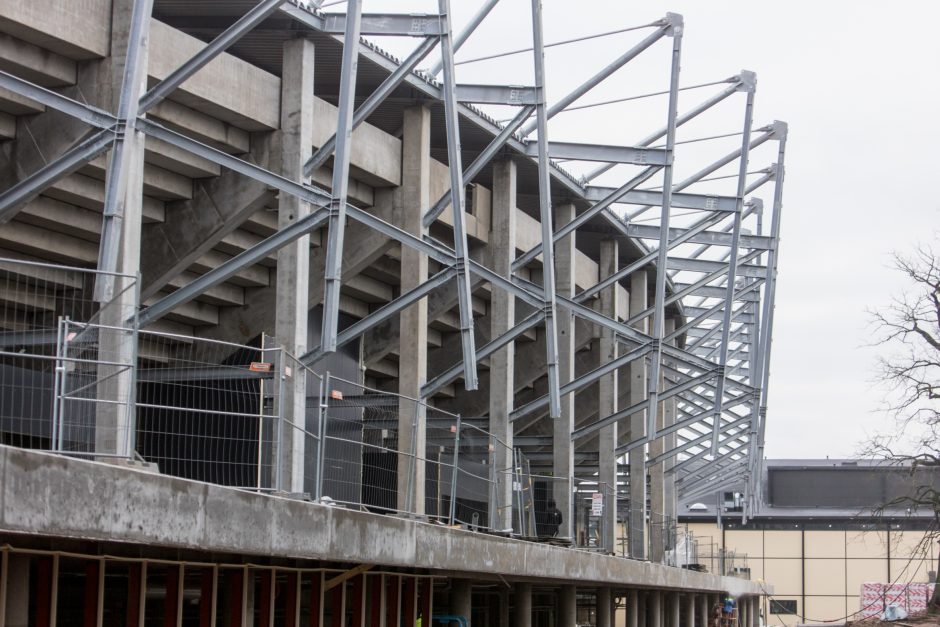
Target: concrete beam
{"points": [[79, 30], [36, 64], [227, 88], [157, 511]]}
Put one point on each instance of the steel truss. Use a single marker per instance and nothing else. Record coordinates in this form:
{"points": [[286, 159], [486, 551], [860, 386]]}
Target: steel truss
{"points": [[719, 278]]}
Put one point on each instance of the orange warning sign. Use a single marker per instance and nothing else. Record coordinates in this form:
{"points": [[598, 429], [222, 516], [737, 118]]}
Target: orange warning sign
{"points": [[260, 366]]}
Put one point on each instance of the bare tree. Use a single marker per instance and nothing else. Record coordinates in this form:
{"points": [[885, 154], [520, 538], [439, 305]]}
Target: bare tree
{"points": [[908, 332]]}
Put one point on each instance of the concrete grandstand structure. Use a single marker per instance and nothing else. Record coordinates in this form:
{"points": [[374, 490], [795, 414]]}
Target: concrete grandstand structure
{"points": [[292, 328]]}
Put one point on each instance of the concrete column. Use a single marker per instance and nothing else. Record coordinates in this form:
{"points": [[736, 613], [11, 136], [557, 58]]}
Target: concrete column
{"points": [[704, 610], [658, 520], [672, 609], [567, 607], [604, 616], [522, 612], [293, 260], [115, 422], [502, 318], [689, 611], [633, 608], [563, 449], [641, 607], [607, 396], [743, 618], [17, 590], [638, 373], [503, 607], [461, 593], [654, 609], [669, 443], [413, 321]]}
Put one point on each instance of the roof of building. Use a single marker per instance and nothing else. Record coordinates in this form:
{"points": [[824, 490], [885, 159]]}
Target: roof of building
{"points": [[823, 489]]}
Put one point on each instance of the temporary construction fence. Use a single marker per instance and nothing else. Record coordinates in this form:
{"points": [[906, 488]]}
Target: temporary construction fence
{"points": [[66, 361], [79, 378]]}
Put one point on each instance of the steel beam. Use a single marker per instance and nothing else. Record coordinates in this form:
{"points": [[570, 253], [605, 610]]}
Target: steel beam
{"points": [[600, 205], [127, 152], [471, 26], [92, 116], [485, 351], [602, 152], [228, 269], [659, 302], [336, 228], [217, 46], [599, 77], [583, 381], [682, 119], [380, 315], [516, 95], [707, 202], [639, 406], [455, 169], [733, 265], [371, 103], [485, 156], [13, 199], [545, 213], [385, 24]]}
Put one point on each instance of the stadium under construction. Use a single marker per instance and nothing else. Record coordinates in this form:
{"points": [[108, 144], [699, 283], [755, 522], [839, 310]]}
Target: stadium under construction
{"points": [[293, 331]]}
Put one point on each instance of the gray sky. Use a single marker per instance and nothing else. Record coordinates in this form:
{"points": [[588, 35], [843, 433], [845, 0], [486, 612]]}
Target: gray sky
{"points": [[857, 82]]}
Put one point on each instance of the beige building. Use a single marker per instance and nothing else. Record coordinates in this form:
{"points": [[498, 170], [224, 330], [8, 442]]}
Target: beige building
{"points": [[815, 538]]}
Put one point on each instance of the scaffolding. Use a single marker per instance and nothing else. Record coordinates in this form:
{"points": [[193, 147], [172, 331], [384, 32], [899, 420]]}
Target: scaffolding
{"points": [[701, 344]]}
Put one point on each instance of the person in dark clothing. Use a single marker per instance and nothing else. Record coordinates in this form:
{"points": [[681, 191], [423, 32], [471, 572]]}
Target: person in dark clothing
{"points": [[554, 519]]}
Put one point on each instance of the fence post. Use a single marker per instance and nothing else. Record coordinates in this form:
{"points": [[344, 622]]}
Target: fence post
{"points": [[324, 416], [57, 372], [281, 388], [131, 438], [410, 492], [453, 473], [517, 488], [493, 509]]}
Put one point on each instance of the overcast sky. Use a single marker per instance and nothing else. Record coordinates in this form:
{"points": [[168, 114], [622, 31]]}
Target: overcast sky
{"points": [[858, 84]]}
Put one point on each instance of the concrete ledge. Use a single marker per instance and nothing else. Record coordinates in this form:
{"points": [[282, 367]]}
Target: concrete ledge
{"points": [[47, 495]]}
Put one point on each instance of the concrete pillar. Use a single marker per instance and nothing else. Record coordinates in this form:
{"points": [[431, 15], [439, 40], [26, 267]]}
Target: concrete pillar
{"points": [[607, 396], [522, 610], [16, 581], [672, 609], [502, 318], [461, 593], [293, 260], [638, 373], [660, 523], [704, 610], [688, 611], [114, 421], [563, 449], [669, 443], [567, 607], [641, 607], [633, 608], [755, 613], [603, 613], [413, 321], [654, 609], [743, 618], [503, 607]]}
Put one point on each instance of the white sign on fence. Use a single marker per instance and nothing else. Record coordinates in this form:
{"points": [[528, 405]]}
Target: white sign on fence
{"points": [[597, 504]]}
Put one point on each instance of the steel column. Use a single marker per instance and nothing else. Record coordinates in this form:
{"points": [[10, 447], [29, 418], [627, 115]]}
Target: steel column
{"points": [[336, 229], [457, 192]]}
